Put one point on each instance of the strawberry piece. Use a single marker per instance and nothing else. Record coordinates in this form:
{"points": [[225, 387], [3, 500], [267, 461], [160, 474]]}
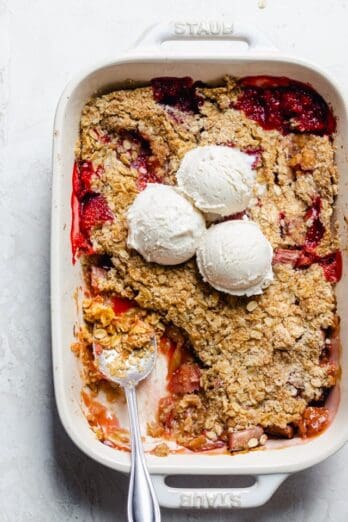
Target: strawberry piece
{"points": [[186, 379], [332, 266], [94, 211], [79, 244]]}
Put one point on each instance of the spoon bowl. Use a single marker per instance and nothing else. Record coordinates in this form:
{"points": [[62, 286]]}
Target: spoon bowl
{"points": [[134, 368], [127, 371]]}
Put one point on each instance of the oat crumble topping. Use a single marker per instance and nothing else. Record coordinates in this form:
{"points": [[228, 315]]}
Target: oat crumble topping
{"points": [[259, 360]]}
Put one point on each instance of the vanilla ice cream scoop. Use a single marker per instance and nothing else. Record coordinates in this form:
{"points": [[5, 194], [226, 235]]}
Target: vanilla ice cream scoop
{"points": [[163, 226], [236, 258], [217, 179]]}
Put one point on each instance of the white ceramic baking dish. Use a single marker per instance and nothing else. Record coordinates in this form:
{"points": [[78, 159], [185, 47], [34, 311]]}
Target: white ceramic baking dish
{"points": [[153, 57]]}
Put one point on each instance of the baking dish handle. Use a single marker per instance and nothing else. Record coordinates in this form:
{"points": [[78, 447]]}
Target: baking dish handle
{"points": [[152, 39], [256, 495]]}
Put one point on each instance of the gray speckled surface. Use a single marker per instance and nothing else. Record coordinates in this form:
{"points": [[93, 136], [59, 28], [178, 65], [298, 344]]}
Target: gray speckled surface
{"points": [[43, 477]]}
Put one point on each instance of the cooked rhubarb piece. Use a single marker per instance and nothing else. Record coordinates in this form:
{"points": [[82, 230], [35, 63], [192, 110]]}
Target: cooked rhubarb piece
{"points": [[277, 431], [186, 379], [286, 256], [314, 420], [97, 276], [246, 439]]}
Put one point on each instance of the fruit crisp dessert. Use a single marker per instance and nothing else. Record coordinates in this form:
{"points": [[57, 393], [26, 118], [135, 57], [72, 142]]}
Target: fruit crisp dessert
{"points": [[240, 369]]}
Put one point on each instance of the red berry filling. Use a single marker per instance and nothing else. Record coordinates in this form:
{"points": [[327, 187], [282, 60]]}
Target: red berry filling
{"points": [[120, 305], [316, 229], [300, 258], [138, 150], [177, 92], [78, 241], [146, 175], [88, 208], [82, 176], [285, 105]]}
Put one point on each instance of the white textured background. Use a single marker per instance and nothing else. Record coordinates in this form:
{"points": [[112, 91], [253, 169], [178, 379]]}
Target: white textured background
{"points": [[43, 477]]}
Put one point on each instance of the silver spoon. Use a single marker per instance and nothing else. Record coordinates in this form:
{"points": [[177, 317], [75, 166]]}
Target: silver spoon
{"points": [[142, 503]]}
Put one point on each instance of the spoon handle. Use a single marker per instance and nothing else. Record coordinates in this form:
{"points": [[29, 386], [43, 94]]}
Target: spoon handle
{"points": [[142, 502]]}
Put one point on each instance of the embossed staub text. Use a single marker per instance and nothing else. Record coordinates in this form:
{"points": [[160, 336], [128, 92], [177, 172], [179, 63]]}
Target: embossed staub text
{"points": [[210, 500], [203, 28]]}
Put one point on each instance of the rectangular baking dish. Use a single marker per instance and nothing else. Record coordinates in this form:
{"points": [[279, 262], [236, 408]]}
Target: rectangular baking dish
{"points": [[151, 57]]}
